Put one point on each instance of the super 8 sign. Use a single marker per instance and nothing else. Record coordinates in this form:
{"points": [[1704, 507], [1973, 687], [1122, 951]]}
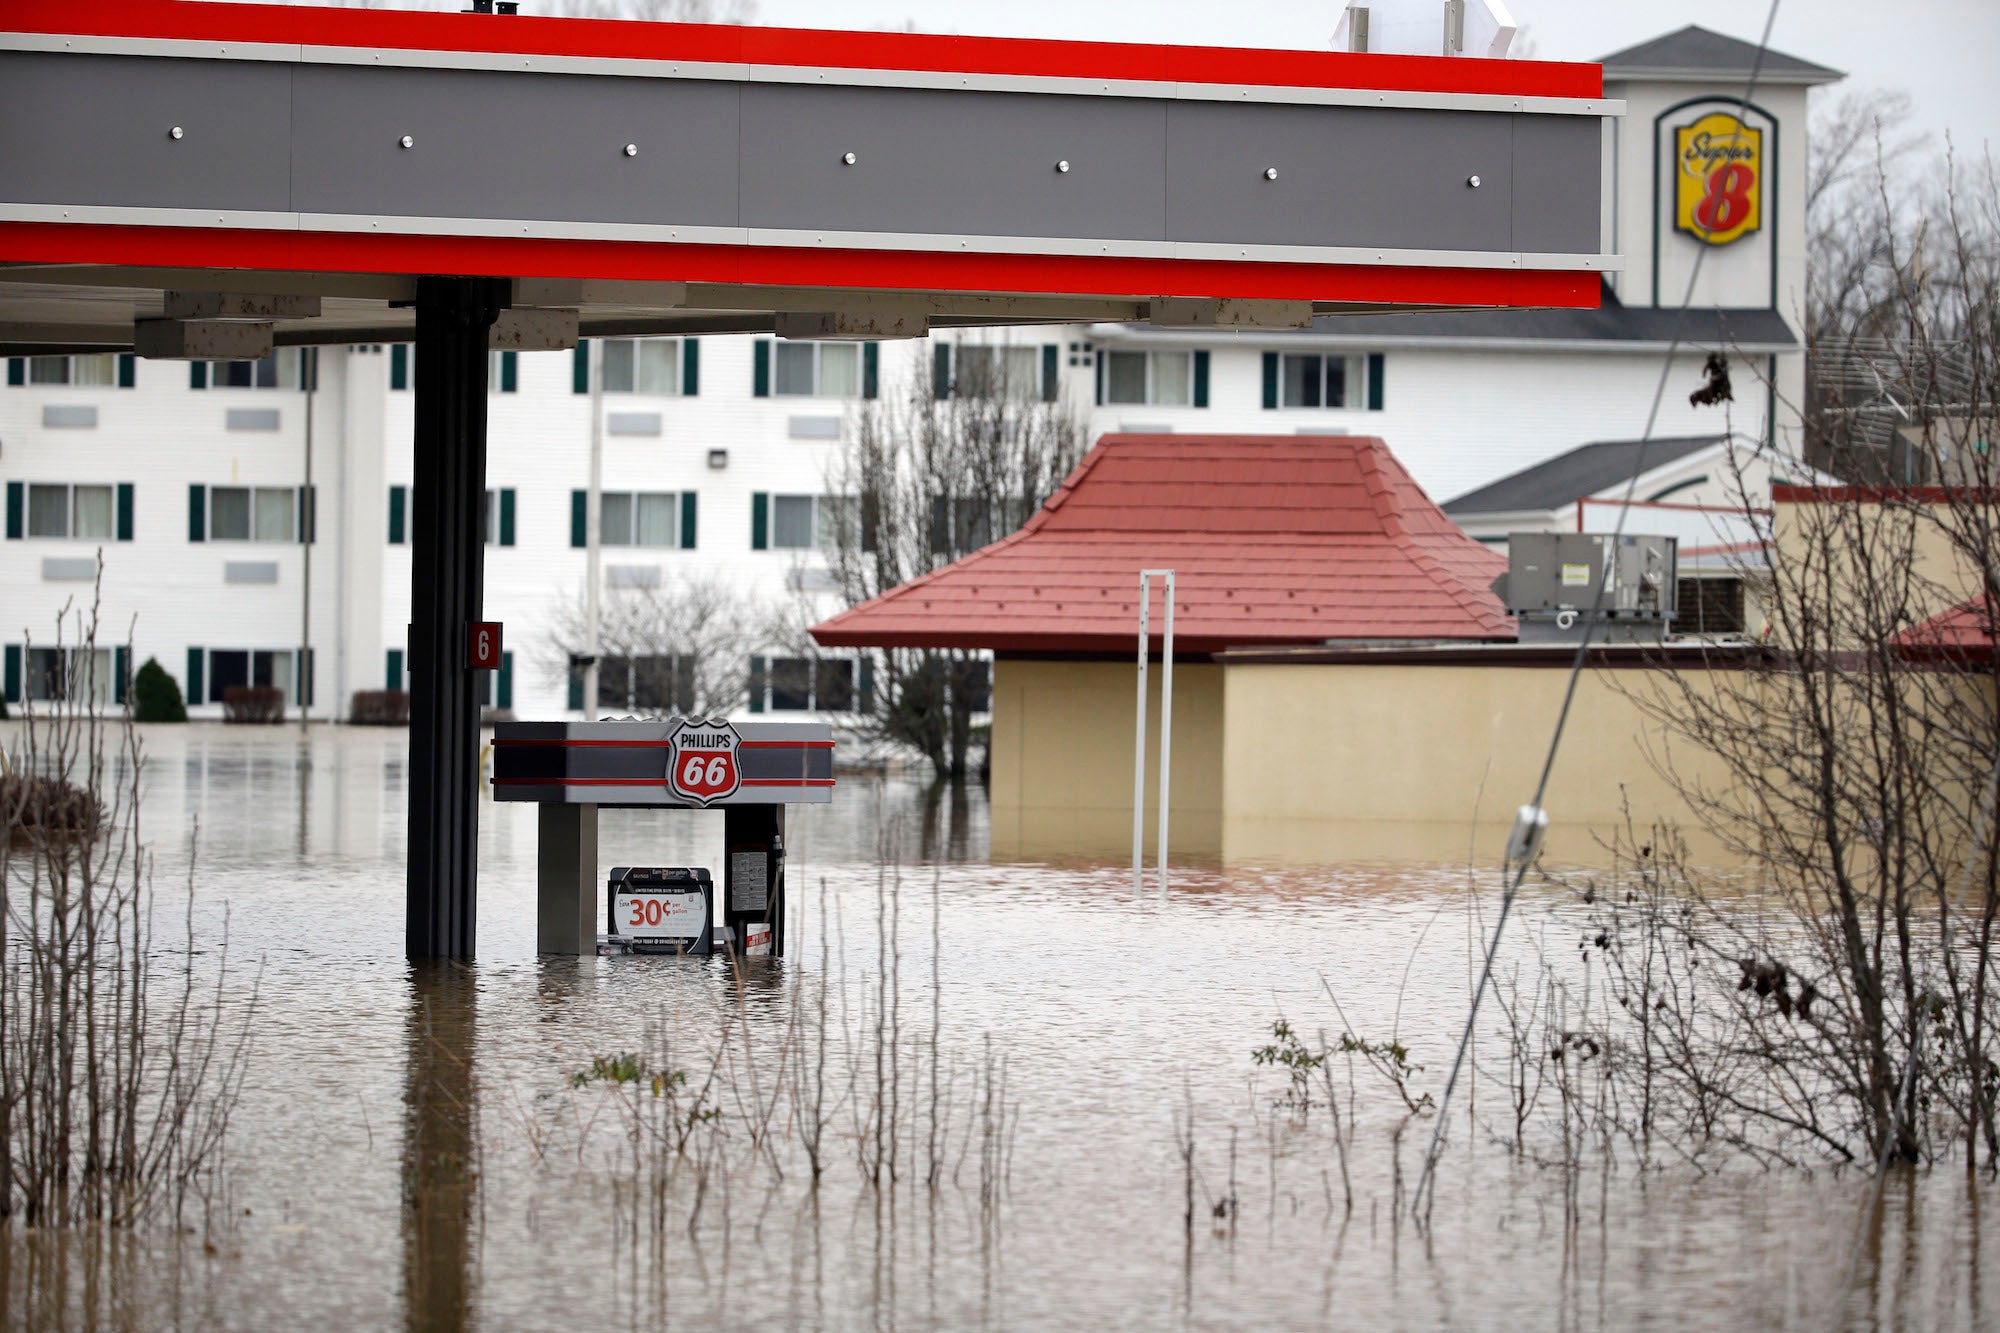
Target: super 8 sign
{"points": [[1718, 178]]}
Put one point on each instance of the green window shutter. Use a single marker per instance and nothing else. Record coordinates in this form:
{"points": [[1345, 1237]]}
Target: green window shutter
{"points": [[197, 513], [941, 371], [504, 694], [510, 372], [128, 370], [579, 519], [1270, 380], [1051, 360], [13, 680], [395, 669], [124, 511], [760, 521], [507, 516], [195, 695], [871, 370], [1374, 381], [1201, 379], [197, 374], [308, 515], [305, 678], [308, 368], [16, 515], [1100, 376], [687, 520], [756, 684], [579, 367], [399, 366], [690, 367], [399, 502], [575, 689], [760, 368], [121, 671], [17, 371], [867, 683]]}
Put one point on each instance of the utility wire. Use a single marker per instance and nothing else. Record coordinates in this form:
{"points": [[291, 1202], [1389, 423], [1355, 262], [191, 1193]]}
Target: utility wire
{"points": [[1421, 1198]]}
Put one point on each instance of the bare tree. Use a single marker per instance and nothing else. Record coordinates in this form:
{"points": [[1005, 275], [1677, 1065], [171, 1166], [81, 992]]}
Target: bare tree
{"points": [[938, 468], [682, 646], [1839, 999], [119, 1066]]}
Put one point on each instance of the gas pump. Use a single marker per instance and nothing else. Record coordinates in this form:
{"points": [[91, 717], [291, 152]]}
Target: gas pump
{"points": [[753, 880]]}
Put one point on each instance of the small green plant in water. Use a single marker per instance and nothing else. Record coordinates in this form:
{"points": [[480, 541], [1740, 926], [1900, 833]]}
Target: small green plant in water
{"points": [[629, 1067], [1300, 1060]]}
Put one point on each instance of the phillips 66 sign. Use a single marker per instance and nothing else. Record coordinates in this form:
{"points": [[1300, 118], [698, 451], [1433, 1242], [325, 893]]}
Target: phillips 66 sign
{"points": [[701, 761], [1718, 178]]}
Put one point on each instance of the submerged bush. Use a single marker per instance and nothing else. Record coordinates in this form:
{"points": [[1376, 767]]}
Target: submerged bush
{"points": [[155, 695], [38, 809]]}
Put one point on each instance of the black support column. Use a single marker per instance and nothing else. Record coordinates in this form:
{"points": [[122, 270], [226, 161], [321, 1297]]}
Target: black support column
{"points": [[447, 584]]}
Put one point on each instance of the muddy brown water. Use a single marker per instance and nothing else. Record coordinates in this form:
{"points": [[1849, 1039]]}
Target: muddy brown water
{"points": [[409, 1152]]}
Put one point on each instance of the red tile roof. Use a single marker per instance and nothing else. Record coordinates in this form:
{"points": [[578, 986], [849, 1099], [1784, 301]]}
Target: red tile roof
{"points": [[1273, 539], [1963, 636]]}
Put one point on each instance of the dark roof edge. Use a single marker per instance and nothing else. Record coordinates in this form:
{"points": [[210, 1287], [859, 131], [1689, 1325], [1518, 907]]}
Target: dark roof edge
{"points": [[1726, 656]]}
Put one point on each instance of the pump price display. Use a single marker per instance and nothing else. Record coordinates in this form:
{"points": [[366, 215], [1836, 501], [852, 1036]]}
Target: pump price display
{"points": [[666, 915]]}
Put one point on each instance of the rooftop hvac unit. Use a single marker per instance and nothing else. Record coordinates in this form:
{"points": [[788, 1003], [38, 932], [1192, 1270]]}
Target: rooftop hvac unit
{"points": [[1553, 582]]}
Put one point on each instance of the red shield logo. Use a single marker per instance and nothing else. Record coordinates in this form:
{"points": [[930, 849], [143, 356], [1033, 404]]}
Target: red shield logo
{"points": [[701, 761]]}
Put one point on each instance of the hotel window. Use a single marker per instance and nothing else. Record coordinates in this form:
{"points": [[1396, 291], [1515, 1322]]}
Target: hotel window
{"points": [[252, 514], [269, 373], [817, 370], [263, 669], [805, 522], [1318, 381], [640, 518], [805, 685], [497, 526], [96, 369], [79, 512], [997, 372], [658, 683], [503, 372], [1323, 380], [85, 674], [642, 365], [1162, 379]]}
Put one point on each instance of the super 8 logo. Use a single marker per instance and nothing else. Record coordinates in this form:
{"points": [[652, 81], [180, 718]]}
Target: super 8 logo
{"points": [[1718, 178]]}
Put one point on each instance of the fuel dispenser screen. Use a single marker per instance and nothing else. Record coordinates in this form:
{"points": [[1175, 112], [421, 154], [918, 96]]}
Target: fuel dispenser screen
{"points": [[662, 909]]}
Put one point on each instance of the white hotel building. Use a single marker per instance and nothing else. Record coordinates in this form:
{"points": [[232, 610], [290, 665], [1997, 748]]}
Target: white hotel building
{"points": [[189, 478]]}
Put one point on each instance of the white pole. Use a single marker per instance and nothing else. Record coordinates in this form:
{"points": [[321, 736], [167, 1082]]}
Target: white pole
{"points": [[1166, 723], [593, 526], [309, 366], [1139, 749]]}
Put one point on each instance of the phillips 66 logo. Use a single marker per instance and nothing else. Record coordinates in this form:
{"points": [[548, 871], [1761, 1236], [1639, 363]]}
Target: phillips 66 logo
{"points": [[701, 761]]}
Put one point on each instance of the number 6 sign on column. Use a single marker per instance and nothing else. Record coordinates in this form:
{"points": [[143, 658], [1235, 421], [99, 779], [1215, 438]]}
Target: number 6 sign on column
{"points": [[482, 648]]}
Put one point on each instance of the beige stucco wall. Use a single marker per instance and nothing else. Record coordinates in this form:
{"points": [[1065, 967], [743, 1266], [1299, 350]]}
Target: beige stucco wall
{"points": [[1431, 762], [1892, 536], [1062, 758]]}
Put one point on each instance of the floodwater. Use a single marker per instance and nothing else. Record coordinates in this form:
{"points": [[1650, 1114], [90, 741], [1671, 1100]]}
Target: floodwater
{"points": [[410, 1151]]}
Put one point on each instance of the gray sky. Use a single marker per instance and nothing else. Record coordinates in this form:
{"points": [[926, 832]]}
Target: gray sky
{"points": [[1942, 52]]}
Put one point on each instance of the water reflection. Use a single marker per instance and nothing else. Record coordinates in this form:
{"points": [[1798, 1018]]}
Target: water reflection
{"points": [[410, 1149], [440, 1148]]}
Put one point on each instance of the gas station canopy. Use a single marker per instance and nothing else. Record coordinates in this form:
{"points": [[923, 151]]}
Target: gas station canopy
{"points": [[197, 179], [207, 181]]}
